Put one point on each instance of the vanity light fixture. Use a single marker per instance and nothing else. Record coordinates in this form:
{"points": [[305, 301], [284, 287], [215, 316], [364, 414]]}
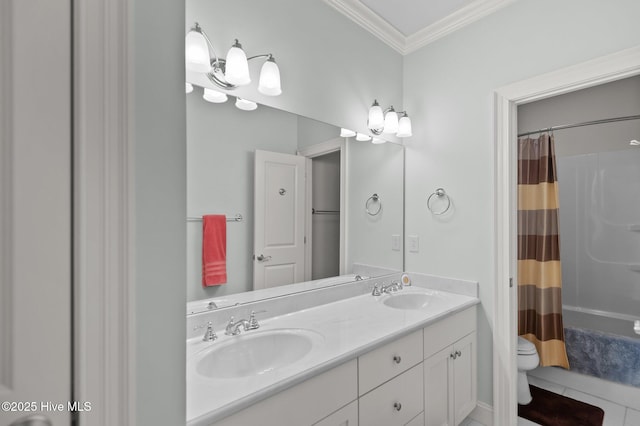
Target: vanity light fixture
{"points": [[388, 121], [188, 87], [378, 141], [233, 71]]}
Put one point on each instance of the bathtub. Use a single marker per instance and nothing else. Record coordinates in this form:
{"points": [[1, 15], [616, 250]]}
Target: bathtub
{"points": [[602, 345]]}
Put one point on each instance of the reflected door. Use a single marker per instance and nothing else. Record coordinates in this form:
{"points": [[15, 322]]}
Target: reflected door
{"points": [[279, 200]]}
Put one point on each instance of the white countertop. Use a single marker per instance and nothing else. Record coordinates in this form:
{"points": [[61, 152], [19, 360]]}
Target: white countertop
{"points": [[345, 329]]}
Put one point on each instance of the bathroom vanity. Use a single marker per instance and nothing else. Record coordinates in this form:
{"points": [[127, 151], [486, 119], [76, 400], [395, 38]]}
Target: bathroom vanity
{"points": [[405, 357]]}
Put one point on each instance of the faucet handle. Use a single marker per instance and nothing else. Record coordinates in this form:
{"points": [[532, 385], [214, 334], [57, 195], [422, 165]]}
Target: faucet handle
{"points": [[253, 322], [376, 290], [209, 335], [397, 284]]}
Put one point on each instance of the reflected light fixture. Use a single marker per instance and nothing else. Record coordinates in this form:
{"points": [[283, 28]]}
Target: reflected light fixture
{"points": [[229, 73], [362, 137], [188, 87], [388, 121], [214, 96], [378, 141], [346, 133], [245, 105]]}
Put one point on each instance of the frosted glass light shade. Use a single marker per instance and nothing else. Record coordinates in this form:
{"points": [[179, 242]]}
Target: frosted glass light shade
{"points": [[214, 96], [376, 118], [346, 133], [237, 67], [188, 87], [404, 127], [378, 141], [362, 137], [270, 78], [390, 121], [197, 52], [245, 105]]}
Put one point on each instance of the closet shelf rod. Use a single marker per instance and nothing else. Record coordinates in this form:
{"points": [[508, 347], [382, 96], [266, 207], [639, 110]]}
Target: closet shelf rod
{"points": [[586, 123]]}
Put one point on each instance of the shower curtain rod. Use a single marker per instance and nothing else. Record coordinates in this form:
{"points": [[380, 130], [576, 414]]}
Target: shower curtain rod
{"points": [[586, 123]]}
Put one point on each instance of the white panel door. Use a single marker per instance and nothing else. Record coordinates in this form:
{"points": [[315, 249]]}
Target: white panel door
{"points": [[464, 377], [279, 226], [438, 391], [35, 210]]}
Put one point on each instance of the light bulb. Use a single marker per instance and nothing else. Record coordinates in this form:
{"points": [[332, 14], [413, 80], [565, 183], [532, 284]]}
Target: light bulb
{"points": [[376, 118], [346, 133], [237, 67], [390, 121], [270, 78], [214, 96], [197, 51], [362, 137], [245, 104], [404, 126], [188, 87]]}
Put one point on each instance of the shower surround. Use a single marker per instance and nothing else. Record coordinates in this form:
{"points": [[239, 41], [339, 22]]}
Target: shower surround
{"points": [[600, 249]]}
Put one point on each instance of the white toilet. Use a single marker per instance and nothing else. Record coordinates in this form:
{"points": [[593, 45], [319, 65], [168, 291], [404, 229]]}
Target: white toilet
{"points": [[527, 360]]}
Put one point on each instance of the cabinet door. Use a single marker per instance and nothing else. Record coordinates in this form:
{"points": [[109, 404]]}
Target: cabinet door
{"points": [[346, 416], [464, 377], [438, 389]]}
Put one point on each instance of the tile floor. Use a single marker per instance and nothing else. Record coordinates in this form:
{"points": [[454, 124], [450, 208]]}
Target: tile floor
{"points": [[614, 414]]}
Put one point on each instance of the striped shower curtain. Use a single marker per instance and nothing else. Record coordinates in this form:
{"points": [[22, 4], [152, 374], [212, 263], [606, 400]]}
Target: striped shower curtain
{"points": [[539, 272]]}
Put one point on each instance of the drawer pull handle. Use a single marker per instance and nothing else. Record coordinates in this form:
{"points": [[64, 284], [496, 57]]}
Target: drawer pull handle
{"points": [[397, 359], [397, 406]]}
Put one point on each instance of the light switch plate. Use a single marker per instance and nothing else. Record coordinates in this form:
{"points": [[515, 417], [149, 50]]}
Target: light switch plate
{"points": [[414, 243], [395, 242]]}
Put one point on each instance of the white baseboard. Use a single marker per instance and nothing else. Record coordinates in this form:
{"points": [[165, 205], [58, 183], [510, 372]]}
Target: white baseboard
{"points": [[483, 413]]}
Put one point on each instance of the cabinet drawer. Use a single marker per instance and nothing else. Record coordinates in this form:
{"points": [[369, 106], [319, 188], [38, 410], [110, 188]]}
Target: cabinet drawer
{"points": [[445, 332], [386, 362], [346, 416], [396, 402]]}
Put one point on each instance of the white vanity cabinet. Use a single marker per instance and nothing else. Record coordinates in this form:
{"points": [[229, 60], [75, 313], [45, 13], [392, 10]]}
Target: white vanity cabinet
{"points": [[306, 403], [450, 369]]}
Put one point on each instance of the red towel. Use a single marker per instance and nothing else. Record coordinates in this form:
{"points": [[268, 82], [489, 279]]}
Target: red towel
{"points": [[214, 250]]}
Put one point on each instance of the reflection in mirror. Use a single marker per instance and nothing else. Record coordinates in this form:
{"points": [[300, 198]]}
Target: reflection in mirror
{"points": [[350, 230]]}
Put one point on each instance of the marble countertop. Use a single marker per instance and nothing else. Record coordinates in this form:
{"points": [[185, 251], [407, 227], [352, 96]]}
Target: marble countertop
{"points": [[344, 330]]}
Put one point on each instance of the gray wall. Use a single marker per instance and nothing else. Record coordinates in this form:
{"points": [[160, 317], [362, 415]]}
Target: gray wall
{"points": [[448, 88], [617, 99], [157, 97]]}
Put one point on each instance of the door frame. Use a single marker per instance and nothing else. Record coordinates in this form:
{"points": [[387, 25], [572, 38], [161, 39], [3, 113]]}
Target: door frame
{"points": [[317, 150], [103, 191], [605, 69]]}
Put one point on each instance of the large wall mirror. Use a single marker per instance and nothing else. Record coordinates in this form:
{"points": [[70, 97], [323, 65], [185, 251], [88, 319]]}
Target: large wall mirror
{"points": [[345, 228]]}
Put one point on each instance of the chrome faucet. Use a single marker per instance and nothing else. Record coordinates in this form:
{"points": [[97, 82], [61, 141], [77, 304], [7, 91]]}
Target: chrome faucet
{"points": [[233, 328], [393, 287], [209, 335]]}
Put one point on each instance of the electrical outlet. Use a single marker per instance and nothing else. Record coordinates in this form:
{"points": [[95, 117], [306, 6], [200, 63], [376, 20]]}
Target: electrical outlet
{"points": [[414, 243], [395, 242]]}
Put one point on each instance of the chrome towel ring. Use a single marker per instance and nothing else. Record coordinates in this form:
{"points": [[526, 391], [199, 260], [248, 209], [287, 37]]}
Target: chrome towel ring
{"points": [[375, 198], [441, 194]]}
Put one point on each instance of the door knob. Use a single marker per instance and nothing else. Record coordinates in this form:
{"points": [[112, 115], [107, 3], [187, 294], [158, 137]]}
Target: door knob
{"points": [[263, 258]]}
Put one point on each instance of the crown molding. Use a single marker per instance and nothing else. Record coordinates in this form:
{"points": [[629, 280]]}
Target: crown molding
{"points": [[453, 22], [372, 22]]}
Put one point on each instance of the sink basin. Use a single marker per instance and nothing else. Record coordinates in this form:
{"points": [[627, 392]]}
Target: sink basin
{"points": [[255, 353], [409, 300]]}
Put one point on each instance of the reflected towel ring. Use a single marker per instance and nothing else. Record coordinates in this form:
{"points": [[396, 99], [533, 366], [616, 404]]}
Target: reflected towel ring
{"points": [[373, 199], [440, 193]]}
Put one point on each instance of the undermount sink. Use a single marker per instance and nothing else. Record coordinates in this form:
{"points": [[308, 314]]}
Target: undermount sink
{"points": [[255, 353], [409, 300]]}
